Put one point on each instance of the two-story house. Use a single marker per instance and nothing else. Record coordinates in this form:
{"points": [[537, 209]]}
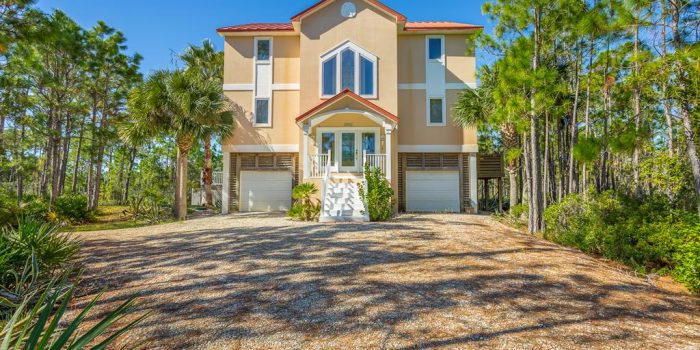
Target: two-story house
{"points": [[348, 84]]}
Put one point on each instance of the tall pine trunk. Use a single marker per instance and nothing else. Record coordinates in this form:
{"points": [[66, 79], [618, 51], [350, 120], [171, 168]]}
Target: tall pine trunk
{"points": [[535, 222], [637, 101], [76, 167]]}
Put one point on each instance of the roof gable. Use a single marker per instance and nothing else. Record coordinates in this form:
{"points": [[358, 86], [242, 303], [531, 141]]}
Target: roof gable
{"points": [[347, 94], [323, 3]]}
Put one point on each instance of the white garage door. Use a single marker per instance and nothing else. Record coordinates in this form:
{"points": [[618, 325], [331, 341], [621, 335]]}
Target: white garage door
{"points": [[266, 190], [432, 191]]}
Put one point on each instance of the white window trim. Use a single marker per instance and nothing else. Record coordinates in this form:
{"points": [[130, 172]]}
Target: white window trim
{"points": [[442, 61], [444, 112], [359, 52], [269, 112], [427, 48], [338, 147], [255, 93]]}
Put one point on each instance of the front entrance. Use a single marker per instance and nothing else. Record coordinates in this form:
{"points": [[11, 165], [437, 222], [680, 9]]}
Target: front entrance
{"points": [[346, 146]]}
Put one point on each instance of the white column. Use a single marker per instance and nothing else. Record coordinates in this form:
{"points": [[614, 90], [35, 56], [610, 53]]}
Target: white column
{"points": [[473, 195], [305, 155], [388, 129], [225, 186]]}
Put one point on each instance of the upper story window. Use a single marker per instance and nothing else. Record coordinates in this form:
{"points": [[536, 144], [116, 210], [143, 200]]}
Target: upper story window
{"points": [[262, 50], [435, 48], [349, 67]]}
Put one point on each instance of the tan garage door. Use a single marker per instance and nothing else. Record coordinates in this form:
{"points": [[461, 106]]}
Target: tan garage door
{"points": [[263, 191], [432, 191]]}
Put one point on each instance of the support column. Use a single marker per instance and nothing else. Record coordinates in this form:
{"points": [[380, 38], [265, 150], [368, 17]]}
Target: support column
{"points": [[225, 186], [388, 129], [305, 153], [473, 193]]}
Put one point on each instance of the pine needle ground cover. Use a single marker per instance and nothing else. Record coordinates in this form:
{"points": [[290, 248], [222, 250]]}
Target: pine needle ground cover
{"points": [[417, 281]]}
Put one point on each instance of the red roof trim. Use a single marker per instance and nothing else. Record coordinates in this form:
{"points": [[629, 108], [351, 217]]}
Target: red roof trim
{"points": [[399, 16], [355, 97], [423, 26], [257, 27]]}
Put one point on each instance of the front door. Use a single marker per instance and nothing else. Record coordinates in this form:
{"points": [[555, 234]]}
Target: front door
{"points": [[348, 152]]}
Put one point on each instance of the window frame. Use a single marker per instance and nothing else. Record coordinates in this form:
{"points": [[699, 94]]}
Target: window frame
{"points": [[256, 96], [358, 54], [442, 48], [444, 111], [255, 49], [269, 112]]}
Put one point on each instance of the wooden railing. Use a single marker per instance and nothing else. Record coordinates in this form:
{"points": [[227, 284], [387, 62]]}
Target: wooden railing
{"points": [[217, 178], [318, 164]]}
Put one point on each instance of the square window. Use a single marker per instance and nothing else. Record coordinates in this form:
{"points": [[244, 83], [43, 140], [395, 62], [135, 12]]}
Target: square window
{"points": [[263, 50], [436, 111], [262, 111], [435, 48]]}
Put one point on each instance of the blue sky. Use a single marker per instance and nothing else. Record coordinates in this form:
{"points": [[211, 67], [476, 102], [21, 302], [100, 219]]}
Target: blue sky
{"points": [[157, 28]]}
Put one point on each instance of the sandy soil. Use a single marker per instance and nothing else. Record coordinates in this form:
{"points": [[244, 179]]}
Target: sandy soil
{"points": [[420, 281]]}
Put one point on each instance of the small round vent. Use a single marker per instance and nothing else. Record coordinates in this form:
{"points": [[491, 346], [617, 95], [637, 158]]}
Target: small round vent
{"points": [[348, 10]]}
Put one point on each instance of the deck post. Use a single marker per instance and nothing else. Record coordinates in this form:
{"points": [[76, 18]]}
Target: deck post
{"points": [[226, 184], [388, 129], [305, 156]]}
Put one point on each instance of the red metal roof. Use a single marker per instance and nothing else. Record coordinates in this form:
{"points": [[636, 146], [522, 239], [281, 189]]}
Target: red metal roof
{"points": [[355, 97], [399, 17], [258, 27], [416, 26]]}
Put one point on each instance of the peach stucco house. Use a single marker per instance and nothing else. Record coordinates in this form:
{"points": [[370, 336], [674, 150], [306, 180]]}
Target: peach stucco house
{"points": [[348, 83]]}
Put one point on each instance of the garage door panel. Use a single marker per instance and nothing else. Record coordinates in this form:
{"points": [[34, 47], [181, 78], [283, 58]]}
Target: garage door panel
{"points": [[266, 190], [432, 191]]}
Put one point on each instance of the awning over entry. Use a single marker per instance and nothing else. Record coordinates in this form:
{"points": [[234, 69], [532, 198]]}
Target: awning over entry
{"points": [[347, 102]]}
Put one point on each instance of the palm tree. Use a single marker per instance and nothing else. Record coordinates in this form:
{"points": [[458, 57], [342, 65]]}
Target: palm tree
{"points": [[182, 105], [478, 108], [208, 63]]}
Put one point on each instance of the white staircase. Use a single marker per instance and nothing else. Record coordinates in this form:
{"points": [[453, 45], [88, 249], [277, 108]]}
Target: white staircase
{"points": [[342, 202]]}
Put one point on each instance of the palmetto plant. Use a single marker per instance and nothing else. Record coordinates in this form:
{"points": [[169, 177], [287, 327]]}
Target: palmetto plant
{"points": [[35, 323], [306, 207]]}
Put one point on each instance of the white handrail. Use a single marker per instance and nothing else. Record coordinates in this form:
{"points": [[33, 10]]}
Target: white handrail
{"points": [[326, 180], [318, 163], [375, 161], [364, 183]]}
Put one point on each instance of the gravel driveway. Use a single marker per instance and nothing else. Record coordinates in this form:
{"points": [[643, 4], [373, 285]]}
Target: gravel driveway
{"points": [[421, 281]]}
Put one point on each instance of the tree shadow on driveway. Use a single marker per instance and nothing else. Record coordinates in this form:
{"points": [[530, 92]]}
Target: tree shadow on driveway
{"points": [[420, 281]]}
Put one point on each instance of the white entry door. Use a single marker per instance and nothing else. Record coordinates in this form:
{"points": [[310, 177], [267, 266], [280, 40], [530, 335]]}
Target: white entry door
{"points": [[264, 191], [432, 191], [346, 146]]}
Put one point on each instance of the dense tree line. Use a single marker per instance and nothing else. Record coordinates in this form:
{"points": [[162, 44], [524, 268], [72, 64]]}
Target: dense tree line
{"points": [[75, 109], [597, 95]]}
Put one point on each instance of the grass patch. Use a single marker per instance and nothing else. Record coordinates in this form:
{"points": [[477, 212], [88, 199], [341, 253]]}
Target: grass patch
{"points": [[109, 218]]}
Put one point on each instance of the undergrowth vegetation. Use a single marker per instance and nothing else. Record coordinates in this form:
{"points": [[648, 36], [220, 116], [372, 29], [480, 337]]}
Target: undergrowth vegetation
{"points": [[646, 235], [379, 197], [305, 207]]}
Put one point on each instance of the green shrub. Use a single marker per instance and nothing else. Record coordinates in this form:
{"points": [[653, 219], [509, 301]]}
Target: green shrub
{"points": [[32, 236], [73, 208], [645, 234], [518, 211], [379, 197], [305, 207], [37, 321]]}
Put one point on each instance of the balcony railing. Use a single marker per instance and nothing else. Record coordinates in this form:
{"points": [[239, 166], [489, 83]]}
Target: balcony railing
{"points": [[374, 161], [318, 164]]}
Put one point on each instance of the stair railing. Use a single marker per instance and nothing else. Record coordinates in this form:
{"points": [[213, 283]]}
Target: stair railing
{"points": [[365, 165], [326, 181]]}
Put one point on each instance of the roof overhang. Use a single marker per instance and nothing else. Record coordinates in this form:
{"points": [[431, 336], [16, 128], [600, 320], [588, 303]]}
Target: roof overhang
{"points": [[334, 106]]}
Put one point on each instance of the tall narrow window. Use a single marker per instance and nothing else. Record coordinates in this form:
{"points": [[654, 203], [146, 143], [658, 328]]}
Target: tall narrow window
{"points": [[263, 50], [366, 77], [434, 48], [436, 111], [329, 77], [262, 111], [328, 144], [347, 59]]}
